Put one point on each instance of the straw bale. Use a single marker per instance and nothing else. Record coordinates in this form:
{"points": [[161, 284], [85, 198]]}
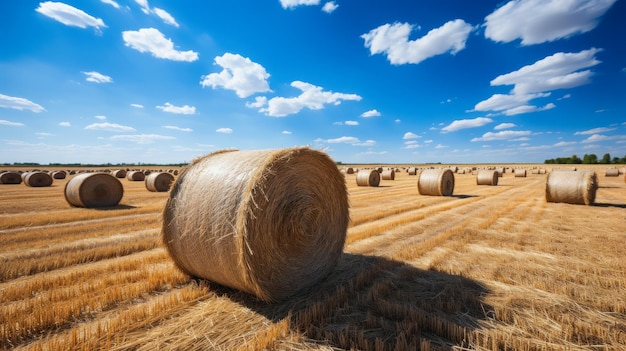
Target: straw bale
{"points": [[388, 174], [368, 177], [412, 170], [611, 172], [10, 177], [59, 174], [500, 171], [520, 173], [349, 170], [436, 182], [487, 177], [266, 222], [119, 173], [93, 190], [159, 181], [37, 179], [573, 187], [136, 176]]}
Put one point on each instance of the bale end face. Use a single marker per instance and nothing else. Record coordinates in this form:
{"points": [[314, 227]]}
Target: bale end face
{"points": [[368, 177], [94, 190]]}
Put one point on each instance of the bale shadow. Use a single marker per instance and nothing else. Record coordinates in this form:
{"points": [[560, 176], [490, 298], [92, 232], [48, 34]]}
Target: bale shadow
{"points": [[463, 196], [374, 303], [604, 204], [117, 207]]}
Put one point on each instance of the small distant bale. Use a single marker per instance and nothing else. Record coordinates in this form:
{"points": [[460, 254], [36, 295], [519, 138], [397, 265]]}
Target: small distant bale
{"points": [[520, 173], [10, 177], [368, 177], [487, 177], [388, 174], [573, 187], [93, 190], [436, 182], [611, 172], [349, 170], [37, 179], [159, 181], [135, 176], [119, 173], [59, 174], [412, 170], [500, 171]]}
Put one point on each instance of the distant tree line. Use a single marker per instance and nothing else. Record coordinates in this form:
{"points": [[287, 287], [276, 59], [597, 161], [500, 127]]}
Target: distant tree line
{"points": [[590, 159]]}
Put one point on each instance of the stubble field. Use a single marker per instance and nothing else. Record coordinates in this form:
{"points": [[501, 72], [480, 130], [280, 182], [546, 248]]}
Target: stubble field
{"points": [[490, 268]]}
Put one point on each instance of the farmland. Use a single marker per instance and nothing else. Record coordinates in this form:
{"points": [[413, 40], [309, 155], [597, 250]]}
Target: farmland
{"points": [[489, 268]]}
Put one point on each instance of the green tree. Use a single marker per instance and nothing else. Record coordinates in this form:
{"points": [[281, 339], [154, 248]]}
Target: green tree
{"points": [[575, 160], [590, 159], [606, 159]]}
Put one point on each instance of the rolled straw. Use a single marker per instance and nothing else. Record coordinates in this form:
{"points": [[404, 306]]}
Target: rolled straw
{"points": [[573, 187], [436, 182], [487, 177], [368, 177], [159, 181], [92, 190]]}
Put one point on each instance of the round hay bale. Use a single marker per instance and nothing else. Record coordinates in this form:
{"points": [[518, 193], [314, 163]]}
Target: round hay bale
{"points": [[92, 190], [10, 177], [267, 222], [368, 177], [119, 173], [389, 174], [500, 171], [349, 170], [573, 187], [611, 172], [59, 174], [436, 182], [135, 176], [412, 170], [520, 173], [159, 181], [542, 171], [487, 177], [37, 179]]}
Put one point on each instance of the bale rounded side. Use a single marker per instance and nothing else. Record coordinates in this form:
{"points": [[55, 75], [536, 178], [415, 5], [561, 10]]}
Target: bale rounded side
{"points": [[93, 190], [159, 181], [368, 177], [573, 187], [388, 174], [611, 172], [37, 179], [436, 182], [135, 176], [520, 173], [119, 173], [487, 177]]}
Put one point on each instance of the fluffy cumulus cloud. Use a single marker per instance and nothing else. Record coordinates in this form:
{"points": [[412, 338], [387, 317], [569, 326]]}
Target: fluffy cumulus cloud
{"points": [[351, 123], [180, 110], [594, 131], [393, 40], [539, 21], [312, 97], [504, 135], [18, 103], [110, 127], [96, 77], [370, 113], [165, 16], [153, 41], [288, 4], [178, 128], [224, 130], [329, 7], [504, 126], [410, 135], [240, 74], [70, 16], [4, 122], [466, 123], [141, 138], [112, 3]]}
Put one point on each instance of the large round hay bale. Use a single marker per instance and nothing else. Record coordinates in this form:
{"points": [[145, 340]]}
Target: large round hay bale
{"points": [[611, 172], [436, 182], [119, 173], [520, 173], [92, 190], [37, 179], [267, 222], [59, 174], [388, 174], [412, 170], [368, 177], [573, 187], [487, 177], [135, 176], [159, 181], [10, 177]]}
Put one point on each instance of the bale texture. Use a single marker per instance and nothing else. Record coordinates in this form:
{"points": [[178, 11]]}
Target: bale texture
{"points": [[368, 177], [159, 181], [412, 170], [389, 174], [10, 177], [267, 222], [135, 176], [93, 190], [611, 172], [37, 179], [520, 173], [487, 177], [119, 173], [436, 182], [573, 187]]}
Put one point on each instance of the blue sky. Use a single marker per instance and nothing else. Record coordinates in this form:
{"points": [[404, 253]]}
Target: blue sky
{"points": [[366, 81]]}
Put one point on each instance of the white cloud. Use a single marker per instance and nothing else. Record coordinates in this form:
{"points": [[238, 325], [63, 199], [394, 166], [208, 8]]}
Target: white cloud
{"points": [[110, 127], [354, 141], [411, 146], [4, 122], [352, 123], [240, 74], [102, 118], [165, 16], [287, 4], [504, 135], [259, 102], [393, 40], [466, 123], [329, 7], [65, 124], [595, 138], [427, 141], [112, 3], [97, 77], [370, 113], [145, 8], [136, 105], [312, 97], [179, 128], [565, 143], [440, 146], [504, 126], [181, 110], [503, 102], [397, 121], [70, 16], [224, 130], [410, 135], [18, 103], [538, 21], [528, 109], [142, 138], [595, 131], [153, 41], [286, 132]]}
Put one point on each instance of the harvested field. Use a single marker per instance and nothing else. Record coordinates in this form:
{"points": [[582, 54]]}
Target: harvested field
{"points": [[489, 268]]}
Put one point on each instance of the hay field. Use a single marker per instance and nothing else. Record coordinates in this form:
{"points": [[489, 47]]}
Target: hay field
{"points": [[490, 268]]}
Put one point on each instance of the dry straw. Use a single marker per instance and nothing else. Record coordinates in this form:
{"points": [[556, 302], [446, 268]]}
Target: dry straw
{"points": [[92, 190], [388, 174], [368, 177], [487, 177], [267, 222], [136, 176], [611, 172], [412, 170], [37, 179], [10, 177], [520, 173], [436, 182], [119, 173], [159, 181], [573, 187], [59, 174], [349, 170]]}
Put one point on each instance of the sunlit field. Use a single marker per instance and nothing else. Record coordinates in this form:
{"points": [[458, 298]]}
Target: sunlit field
{"points": [[489, 268]]}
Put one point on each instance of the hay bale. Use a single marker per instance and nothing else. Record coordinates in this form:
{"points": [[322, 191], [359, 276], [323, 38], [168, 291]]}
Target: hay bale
{"points": [[542, 171], [520, 173], [573, 187], [159, 181], [135, 176], [10, 177], [37, 179], [412, 170], [500, 171], [487, 177], [436, 182], [368, 177], [267, 222], [611, 172], [93, 190], [349, 170], [119, 173], [389, 174], [59, 174]]}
